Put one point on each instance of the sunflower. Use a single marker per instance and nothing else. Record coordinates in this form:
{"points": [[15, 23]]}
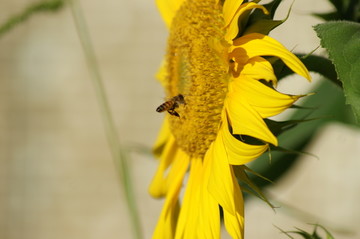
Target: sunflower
{"points": [[225, 78]]}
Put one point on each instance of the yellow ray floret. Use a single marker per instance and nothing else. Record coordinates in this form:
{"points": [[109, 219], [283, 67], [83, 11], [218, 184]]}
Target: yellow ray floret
{"points": [[161, 75], [231, 24], [229, 10], [188, 217], [168, 9], [245, 120], [209, 223], [168, 218], [220, 184], [162, 138], [256, 44], [260, 69], [158, 186], [239, 153], [264, 100], [223, 186]]}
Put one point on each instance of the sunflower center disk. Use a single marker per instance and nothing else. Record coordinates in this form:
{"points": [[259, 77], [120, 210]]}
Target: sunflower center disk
{"points": [[196, 70]]}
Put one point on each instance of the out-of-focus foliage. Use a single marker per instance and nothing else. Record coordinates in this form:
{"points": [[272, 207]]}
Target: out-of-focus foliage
{"points": [[343, 10], [43, 6], [342, 41], [260, 22], [306, 235], [328, 104]]}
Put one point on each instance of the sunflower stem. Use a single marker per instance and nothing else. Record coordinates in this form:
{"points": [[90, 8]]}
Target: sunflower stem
{"points": [[119, 154]]}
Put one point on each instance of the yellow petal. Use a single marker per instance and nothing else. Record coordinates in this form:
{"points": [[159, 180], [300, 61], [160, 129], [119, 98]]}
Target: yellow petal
{"points": [[161, 75], [199, 216], [176, 174], [168, 9], [158, 187], [264, 100], [256, 44], [168, 219], [162, 138], [166, 224], [189, 214], [229, 10], [209, 218], [232, 24], [221, 185], [239, 153], [245, 120], [234, 224], [225, 189], [259, 68]]}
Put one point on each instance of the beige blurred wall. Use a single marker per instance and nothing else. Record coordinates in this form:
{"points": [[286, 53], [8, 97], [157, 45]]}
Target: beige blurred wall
{"points": [[57, 178]]}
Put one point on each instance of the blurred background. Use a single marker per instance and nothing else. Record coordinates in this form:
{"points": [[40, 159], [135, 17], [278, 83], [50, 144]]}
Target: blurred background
{"points": [[57, 177]]}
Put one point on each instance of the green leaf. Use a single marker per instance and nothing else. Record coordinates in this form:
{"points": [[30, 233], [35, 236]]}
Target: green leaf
{"points": [[278, 127], [260, 22], [303, 233], [290, 151], [263, 26], [250, 187], [307, 235], [342, 41], [328, 234], [271, 7]]}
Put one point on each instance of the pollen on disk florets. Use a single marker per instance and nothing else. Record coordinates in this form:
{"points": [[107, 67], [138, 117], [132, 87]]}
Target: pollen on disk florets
{"points": [[196, 70]]}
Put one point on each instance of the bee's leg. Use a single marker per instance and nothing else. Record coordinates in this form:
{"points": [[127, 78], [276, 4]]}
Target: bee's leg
{"points": [[173, 112], [182, 101]]}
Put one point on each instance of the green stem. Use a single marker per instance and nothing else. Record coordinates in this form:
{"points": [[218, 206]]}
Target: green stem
{"points": [[119, 155], [44, 6]]}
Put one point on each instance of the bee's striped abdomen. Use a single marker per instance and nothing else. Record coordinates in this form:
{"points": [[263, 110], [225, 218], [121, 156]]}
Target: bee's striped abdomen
{"points": [[165, 106]]}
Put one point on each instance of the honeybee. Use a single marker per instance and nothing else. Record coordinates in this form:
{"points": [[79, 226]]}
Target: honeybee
{"points": [[171, 105]]}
